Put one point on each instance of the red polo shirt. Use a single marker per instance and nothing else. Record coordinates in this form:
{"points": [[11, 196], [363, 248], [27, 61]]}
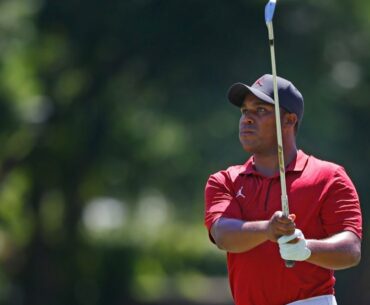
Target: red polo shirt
{"points": [[325, 202]]}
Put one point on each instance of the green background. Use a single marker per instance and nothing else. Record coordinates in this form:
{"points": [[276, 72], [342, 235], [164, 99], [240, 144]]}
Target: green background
{"points": [[114, 114]]}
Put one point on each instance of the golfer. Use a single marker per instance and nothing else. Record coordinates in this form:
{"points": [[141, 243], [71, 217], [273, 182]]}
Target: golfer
{"points": [[243, 208]]}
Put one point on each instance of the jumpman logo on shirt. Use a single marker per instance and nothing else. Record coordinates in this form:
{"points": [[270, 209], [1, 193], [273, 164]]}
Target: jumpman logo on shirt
{"points": [[239, 193]]}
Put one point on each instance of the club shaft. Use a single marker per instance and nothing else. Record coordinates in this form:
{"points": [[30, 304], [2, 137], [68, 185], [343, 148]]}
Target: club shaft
{"points": [[284, 196]]}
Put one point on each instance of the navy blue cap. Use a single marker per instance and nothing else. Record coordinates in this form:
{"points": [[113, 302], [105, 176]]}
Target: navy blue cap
{"points": [[289, 96]]}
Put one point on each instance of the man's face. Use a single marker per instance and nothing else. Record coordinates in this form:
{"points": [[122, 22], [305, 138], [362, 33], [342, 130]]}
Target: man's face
{"points": [[257, 126]]}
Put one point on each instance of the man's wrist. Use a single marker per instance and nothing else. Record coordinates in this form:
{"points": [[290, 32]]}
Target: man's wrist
{"points": [[269, 234]]}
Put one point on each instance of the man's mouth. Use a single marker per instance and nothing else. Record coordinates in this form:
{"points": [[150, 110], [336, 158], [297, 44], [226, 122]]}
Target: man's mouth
{"points": [[247, 131]]}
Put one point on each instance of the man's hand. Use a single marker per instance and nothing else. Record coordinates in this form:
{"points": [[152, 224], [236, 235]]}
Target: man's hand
{"points": [[280, 225], [297, 251]]}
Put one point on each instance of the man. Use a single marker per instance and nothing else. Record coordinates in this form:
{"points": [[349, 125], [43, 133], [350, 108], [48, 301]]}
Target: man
{"points": [[242, 208]]}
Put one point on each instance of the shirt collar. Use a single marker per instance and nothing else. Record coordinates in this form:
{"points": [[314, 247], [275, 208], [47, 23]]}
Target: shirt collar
{"points": [[296, 165]]}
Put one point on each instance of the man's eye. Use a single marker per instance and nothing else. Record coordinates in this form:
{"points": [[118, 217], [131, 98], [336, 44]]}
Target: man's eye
{"points": [[244, 111], [261, 110]]}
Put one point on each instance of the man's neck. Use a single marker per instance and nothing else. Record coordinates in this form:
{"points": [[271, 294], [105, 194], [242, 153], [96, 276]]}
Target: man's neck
{"points": [[268, 164]]}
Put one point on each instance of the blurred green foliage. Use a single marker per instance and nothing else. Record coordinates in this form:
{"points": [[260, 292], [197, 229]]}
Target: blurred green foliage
{"points": [[113, 116]]}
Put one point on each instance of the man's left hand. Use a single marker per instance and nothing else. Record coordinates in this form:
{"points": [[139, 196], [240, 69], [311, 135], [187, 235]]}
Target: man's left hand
{"points": [[297, 251]]}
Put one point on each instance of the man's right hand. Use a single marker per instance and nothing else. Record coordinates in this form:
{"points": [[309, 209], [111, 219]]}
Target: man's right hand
{"points": [[280, 225]]}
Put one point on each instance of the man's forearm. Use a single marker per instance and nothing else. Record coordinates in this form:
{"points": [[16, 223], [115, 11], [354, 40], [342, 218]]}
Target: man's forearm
{"points": [[237, 236], [340, 251]]}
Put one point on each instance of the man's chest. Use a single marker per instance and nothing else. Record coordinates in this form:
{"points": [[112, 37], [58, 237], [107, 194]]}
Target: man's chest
{"points": [[260, 197]]}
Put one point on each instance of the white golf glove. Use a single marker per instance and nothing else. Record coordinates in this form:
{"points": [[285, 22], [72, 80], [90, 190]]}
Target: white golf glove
{"points": [[294, 252]]}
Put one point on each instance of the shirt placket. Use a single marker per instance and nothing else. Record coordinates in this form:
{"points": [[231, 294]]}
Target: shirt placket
{"points": [[267, 186]]}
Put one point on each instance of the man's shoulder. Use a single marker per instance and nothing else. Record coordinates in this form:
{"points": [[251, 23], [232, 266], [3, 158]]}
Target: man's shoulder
{"points": [[323, 167], [230, 173]]}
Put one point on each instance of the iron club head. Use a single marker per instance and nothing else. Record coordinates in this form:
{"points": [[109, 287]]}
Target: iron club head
{"points": [[269, 10]]}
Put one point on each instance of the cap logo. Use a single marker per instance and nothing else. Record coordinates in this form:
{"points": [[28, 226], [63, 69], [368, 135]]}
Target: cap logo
{"points": [[259, 81]]}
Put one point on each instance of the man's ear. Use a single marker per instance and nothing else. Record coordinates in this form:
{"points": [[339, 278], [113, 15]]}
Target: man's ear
{"points": [[290, 119]]}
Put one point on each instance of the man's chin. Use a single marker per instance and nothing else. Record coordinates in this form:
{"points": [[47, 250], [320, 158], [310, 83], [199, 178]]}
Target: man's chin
{"points": [[248, 147]]}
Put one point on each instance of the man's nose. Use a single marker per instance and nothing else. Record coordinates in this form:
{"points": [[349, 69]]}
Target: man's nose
{"points": [[247, 119]]}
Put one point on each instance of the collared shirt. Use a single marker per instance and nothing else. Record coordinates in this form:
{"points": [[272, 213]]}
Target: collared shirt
{"points": [[325, 202]]}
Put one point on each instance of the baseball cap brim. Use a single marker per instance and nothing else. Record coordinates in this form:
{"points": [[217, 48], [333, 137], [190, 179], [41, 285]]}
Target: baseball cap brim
{"points": [[238, 92]]}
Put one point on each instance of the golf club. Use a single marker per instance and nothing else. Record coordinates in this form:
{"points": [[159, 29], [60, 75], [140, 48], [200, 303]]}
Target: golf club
{"points": [[269, 14]]}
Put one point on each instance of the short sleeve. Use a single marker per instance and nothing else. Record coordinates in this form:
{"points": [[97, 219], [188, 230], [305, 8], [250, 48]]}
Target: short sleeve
{"points": [[219, 199], [341, 208]]}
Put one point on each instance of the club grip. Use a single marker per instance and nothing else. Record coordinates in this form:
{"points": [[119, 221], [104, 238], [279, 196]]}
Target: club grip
{"points": [[289, 264]]}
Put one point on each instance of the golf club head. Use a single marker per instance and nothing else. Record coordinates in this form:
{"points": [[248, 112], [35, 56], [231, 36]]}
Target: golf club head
{"points": [[269, 10]]}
